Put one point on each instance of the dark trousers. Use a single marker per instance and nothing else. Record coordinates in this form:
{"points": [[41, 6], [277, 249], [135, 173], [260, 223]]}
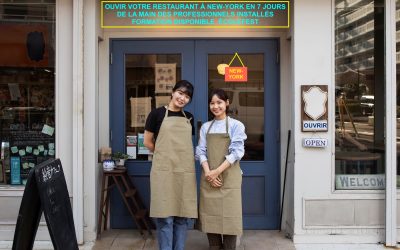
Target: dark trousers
{"points": [[221, 241]]}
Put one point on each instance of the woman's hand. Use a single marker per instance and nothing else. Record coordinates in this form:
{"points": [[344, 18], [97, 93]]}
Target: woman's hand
{"points": [[212, 175], [217, 182]]}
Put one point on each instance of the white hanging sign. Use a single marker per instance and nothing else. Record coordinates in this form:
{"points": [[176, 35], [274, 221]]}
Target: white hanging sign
{"points": [[315, 142]]}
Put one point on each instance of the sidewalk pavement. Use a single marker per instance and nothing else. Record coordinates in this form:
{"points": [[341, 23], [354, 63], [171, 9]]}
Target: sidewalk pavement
{"points": [[251, 240]]}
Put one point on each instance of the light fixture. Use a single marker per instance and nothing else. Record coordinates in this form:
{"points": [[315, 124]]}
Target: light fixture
{"points": [[221, 68]]}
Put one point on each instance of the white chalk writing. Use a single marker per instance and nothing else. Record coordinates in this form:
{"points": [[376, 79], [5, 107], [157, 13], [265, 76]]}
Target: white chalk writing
{"points": [[49, 171]]}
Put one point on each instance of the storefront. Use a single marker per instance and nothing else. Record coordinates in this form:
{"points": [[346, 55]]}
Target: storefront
{"points": [[76, 77]]}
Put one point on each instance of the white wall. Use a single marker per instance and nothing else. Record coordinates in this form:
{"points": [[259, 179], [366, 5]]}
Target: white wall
{"points": [[312, 38], [63, 95], [357, 215]]}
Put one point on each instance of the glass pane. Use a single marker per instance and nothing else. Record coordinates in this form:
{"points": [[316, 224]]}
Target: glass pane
{"points": [[27, 55], [246, 98], [149, 82], [360, 95]]}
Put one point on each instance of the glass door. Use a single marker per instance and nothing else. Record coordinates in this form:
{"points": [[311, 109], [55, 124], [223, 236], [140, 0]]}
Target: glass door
{"points": [[255, 103], [141, 75]]}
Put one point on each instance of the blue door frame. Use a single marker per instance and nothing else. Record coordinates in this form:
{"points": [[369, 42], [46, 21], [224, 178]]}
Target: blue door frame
{"points": [[261, 179]]}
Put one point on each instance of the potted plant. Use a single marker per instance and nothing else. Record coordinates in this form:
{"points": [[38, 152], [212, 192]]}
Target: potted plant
{"points": [[120, 158]]}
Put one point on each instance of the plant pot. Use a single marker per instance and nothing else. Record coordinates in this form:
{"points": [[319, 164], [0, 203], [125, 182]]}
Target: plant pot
{"points": [[121, 162], [108, 165]]}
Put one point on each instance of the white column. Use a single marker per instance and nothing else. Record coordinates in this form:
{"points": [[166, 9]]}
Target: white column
{"points": [[77, 120], [63, 89], [391, 151], [90, 116]]}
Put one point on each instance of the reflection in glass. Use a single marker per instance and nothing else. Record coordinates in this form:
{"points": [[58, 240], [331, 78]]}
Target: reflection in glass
{"points": [[149, 78], [246, 98], [27, 55], [359, 91]]}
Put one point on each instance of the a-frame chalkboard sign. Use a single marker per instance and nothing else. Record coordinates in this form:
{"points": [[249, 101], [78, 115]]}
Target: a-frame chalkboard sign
{"points": [[46, 191]]}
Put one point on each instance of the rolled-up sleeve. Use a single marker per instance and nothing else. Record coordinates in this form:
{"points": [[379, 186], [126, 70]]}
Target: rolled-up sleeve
{"points": [[201, 149], [236, 148]]}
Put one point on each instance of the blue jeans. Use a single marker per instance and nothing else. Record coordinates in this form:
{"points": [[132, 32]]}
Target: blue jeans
{"points": [[171, 232]]}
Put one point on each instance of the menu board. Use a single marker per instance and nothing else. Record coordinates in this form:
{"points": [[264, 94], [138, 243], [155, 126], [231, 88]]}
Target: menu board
{"points": [[28, 149]]}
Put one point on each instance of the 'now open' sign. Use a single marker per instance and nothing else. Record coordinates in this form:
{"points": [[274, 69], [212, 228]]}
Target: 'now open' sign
{"points": [[236, 74]]}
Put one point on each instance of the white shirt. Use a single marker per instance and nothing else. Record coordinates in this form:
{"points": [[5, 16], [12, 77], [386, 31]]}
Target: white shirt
{"points": [[236, 132]]}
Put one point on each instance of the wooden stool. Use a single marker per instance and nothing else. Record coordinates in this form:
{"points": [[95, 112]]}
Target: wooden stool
{"points": [[130, 196]]}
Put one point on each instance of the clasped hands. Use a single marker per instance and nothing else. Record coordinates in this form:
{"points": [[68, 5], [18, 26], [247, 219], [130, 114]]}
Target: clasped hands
{"points": [[214, 178]]}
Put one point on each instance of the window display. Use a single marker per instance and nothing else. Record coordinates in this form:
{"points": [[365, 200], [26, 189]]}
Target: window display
{"points": [[27, 54], [360, 95]]}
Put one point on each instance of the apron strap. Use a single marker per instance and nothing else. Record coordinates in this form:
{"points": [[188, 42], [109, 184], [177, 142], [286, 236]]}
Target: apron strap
{"points": [[166, 112], [183, 112], [208, 131], [226, 119], [226, 125]]}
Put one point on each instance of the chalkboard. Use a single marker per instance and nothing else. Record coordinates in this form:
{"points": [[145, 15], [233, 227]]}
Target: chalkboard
{"points": [[56, 204], [51, 190], [28, 216]]}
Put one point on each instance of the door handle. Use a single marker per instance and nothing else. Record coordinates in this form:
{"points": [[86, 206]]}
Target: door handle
{"points": [[199, 123]]}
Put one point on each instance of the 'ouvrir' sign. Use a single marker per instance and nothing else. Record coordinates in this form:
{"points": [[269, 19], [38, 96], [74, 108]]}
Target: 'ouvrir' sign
{"points": [[314, 108]]}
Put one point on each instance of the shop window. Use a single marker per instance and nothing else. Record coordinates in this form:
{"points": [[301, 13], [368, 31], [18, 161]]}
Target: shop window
{"points": [[27, 54], [360, 95], [149, 82]]}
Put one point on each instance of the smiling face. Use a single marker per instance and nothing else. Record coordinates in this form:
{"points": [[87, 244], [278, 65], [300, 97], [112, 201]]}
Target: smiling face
{"points": [[218, 107], [179, 99]]}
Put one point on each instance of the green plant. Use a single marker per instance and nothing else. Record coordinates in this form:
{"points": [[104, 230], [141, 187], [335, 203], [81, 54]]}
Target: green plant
{"points": [[119, 155]]}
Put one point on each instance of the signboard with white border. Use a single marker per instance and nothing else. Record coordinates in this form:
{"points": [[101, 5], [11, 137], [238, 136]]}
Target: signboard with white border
{"points": [[314, 108]]}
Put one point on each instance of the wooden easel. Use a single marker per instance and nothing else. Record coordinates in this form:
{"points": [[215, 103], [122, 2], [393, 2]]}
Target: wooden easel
{"points": [[342, 110]]}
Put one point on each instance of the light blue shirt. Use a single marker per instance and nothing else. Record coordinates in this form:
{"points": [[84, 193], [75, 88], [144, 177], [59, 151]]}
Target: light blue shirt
{"points": [[236, 132]]}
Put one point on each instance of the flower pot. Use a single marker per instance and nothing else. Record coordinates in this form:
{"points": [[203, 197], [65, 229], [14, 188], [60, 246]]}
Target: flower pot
{"points": [[108, 165], [121, 162]]}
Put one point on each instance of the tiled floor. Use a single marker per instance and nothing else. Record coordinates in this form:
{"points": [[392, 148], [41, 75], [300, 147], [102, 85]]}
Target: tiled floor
{"points": [[251, 240]]}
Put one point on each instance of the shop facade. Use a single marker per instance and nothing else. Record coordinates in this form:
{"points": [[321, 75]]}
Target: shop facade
{"points": [[70, 85]]}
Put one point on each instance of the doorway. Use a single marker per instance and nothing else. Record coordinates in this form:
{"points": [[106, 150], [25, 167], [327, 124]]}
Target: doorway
{"points": [[141, 74]]}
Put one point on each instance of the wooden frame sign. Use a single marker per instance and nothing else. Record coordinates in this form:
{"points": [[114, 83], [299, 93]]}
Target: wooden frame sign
{"points": [[314, 108]]}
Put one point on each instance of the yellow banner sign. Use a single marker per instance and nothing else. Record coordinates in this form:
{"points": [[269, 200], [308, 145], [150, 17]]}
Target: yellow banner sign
{"points": [[195, 14]]}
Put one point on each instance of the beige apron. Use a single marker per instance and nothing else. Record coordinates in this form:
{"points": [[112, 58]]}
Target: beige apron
{"points": [[173, 176], [221, 208]]}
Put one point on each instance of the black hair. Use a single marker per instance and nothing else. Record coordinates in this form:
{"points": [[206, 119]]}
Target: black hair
{"points": [[184, 86], [221, 94]]}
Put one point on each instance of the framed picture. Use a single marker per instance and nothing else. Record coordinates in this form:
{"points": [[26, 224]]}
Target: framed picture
{"points": [[165, 77]]}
